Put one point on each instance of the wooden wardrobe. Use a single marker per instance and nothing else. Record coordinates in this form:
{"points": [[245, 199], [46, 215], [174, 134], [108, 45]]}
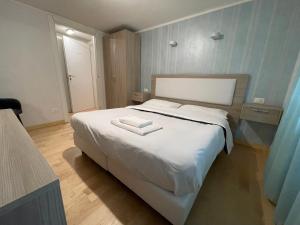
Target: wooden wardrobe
{"points": [[121, 67]]}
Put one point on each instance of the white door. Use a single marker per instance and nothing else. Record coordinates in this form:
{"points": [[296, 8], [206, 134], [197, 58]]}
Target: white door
{"points": [[79, 72]]}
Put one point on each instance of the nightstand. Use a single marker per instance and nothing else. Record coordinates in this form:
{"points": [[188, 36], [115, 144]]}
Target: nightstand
{"points": [[261, 113], [140, 97]]}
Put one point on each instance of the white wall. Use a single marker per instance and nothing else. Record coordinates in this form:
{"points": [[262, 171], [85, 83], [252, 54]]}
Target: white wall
{"points": [[28, 69]]}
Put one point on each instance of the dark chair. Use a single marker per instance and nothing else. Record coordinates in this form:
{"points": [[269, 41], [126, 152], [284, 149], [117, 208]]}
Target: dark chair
{"points": [[10, 103]]}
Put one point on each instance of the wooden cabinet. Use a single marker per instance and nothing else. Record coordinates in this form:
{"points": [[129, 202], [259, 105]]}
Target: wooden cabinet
{"points": [[140, 97], [121, 67], [261, 113], [30, 191]]}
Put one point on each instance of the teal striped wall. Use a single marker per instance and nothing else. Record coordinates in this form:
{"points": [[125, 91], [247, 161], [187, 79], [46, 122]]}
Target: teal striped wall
{"points": [[262, 38]]}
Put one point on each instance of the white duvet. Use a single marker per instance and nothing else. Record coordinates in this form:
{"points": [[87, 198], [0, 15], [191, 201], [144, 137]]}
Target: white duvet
{"points": [[175, 158]]}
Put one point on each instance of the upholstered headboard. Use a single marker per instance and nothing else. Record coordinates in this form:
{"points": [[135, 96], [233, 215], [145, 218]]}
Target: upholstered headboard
{"points": [[223, 91]]}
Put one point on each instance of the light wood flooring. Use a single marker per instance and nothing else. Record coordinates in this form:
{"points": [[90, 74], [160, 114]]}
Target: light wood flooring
{"points": [[231, 194]]}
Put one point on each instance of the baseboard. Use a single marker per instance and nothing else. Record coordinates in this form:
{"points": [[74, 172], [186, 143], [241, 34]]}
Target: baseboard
{"points": [[251, 145], [43, 125]]}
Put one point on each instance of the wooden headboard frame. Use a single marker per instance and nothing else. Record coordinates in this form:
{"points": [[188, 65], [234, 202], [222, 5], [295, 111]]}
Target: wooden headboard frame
{"points": [[234, 110]]}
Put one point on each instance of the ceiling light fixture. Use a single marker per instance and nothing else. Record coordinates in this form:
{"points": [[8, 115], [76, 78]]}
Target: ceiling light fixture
{"points": [[70, 32]]}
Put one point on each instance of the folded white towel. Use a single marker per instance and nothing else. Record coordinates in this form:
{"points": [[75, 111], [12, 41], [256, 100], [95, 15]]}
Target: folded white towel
{"points": [[140, 131], [135, 121]]}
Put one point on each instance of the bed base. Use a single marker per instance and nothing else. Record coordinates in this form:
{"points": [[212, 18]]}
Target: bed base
{"points": [[174, 208]]}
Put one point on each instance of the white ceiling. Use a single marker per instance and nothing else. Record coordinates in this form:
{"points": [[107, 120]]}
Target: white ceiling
{"points": [[136, 14]]}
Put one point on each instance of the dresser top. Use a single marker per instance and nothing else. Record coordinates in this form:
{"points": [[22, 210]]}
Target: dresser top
{"points": [[22, 167]]}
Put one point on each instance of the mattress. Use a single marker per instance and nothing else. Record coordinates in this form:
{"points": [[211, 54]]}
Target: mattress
{"points": [[175, 158]]}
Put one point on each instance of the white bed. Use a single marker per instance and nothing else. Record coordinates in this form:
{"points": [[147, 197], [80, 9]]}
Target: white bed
{"points": [[165, 168]]}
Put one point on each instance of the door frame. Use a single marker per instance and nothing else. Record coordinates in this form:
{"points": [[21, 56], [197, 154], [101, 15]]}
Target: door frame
{"points": [[98, 73]]}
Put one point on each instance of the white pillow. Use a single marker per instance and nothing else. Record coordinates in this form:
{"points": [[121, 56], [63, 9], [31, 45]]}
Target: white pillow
{"points": [[157, 103], [216, 112]]}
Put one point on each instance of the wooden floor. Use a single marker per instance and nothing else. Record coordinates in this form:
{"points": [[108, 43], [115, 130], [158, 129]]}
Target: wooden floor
{"points": [[231, 194]]}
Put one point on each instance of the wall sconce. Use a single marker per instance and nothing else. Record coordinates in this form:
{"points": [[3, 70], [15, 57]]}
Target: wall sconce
{"points": [[70, 31], [173, 43], [217, 36]]}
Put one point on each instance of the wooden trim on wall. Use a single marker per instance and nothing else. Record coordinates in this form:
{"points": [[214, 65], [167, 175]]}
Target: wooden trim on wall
{"points": [[259, 147], [43, 125]]}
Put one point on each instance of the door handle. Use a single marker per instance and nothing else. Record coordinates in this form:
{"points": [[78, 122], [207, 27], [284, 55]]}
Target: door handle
{"points": [[70, 76], [260, 110]]}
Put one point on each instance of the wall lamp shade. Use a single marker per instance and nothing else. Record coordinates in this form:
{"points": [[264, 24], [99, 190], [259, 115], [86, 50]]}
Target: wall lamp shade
{"points": [[217, 36], [173, 43]]}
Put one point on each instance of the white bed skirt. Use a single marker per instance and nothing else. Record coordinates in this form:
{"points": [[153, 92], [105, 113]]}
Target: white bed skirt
{"points": [[173, 208]]}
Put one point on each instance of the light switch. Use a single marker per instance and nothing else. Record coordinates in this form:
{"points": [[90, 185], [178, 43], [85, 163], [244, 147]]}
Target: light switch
{"points": [[259, 100]]}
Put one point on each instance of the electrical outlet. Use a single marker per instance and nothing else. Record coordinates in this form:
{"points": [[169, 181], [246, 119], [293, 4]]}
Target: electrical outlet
{"points": [[146, 90], [259, 100]]}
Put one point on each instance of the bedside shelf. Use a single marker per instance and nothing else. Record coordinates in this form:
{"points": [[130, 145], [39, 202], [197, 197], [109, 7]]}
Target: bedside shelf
{"points": [[140, 97], [261, 113]]}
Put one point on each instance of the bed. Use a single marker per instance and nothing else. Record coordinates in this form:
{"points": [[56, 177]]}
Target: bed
{"points": [[167, 168]]}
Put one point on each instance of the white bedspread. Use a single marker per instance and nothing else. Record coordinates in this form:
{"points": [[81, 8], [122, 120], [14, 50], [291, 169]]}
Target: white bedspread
{"points": [[175, 158]]}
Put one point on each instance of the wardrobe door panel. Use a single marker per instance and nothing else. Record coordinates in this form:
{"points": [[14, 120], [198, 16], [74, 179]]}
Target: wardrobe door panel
{"points": [[115, 77], [122, 67], [107, 58], [119, 69], [133, 64]]}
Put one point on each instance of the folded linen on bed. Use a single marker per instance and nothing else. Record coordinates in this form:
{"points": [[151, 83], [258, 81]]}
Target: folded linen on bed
{"points": [[140, 131], [135, 121]]}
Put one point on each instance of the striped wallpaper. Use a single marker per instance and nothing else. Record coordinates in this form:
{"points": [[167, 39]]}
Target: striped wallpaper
{"points": [[262, 38]]}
